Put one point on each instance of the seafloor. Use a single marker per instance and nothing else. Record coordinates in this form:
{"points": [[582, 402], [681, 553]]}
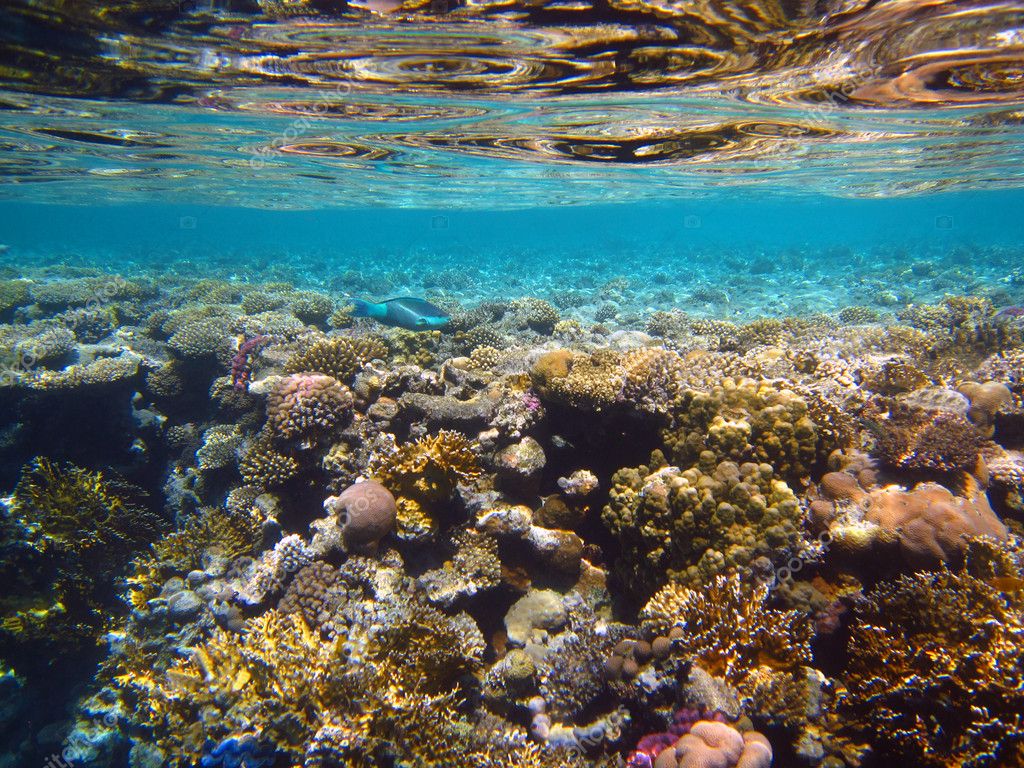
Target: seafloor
{"points": [[769, 515]]}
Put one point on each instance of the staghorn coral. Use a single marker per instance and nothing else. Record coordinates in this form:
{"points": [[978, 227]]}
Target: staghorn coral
{"points": [[727, 628], [351, 696], [422, 475], [934, 677], [307, 405], [695, 524], [339, 356], [70, 534], [746, 420]]}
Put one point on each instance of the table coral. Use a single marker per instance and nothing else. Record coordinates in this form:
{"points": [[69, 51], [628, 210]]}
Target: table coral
{"points": [[693, 524]]}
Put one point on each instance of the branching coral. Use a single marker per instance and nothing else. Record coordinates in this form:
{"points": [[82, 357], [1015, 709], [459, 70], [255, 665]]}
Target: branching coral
{"points": [[72, 533], [935, 675], [692, 525], [213, 531], [422, 474], [339, 356], [728, 628], [263, 466]]}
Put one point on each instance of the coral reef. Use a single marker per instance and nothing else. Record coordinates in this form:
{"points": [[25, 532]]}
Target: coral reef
{"points": [[339, 356], [695, 524], [307, 405], [934, 674]]}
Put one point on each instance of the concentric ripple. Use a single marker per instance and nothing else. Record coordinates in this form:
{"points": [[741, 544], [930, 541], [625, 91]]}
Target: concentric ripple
{"points": [[509, 104]]}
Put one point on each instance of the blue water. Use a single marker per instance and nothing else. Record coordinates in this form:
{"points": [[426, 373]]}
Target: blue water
{"points": [[768, 253]]}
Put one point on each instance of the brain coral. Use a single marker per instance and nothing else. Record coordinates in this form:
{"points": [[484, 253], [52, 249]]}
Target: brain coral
{"points": [[935, 678], [305, 404], [692, 525], [711, 744], [339, 356], [366, 514], [746, 420]]}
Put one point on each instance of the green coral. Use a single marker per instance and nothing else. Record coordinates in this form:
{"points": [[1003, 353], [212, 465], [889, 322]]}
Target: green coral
{"points": [[692, 525]]}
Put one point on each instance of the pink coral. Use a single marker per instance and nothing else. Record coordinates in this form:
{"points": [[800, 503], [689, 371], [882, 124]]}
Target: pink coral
{"points": [[717, 745], [304, 404]]}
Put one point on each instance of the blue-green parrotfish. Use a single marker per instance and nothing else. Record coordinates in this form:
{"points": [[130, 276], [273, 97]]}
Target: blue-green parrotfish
{"points": [[406, 312]]}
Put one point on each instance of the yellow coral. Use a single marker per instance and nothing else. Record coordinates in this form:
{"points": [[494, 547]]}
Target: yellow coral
{"points": [[213, 530], [338, 356], [422, 474], [728, 628]]}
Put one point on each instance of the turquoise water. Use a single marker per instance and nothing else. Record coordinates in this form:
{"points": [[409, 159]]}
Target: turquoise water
{"points": [[688, 426]]}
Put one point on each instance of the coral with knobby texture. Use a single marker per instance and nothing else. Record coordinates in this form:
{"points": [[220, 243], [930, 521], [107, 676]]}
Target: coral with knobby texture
{"points": [[339, 356], [414, 347], [653, 378], [746, 420], [423, 474], [311, 307], [934, 676], [213, 531], [537, 314], [263, 466], [695, 524], [728, 629], [220, 447], [589, 382], [203, 337], [710, 743], [307, 404], [484, 358]]}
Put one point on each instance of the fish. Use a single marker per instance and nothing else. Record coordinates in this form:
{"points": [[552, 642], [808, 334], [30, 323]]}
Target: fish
{"points": [[405, 312]]}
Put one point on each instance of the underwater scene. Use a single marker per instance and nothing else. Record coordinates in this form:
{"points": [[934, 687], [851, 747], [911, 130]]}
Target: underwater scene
{"points": [[511, 384]]}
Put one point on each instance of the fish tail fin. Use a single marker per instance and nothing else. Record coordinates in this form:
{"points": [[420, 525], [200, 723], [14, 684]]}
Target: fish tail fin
{"points": [[360, 308]]}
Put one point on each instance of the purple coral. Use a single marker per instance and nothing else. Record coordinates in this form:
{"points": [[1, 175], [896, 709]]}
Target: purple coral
{"points": [[651, 745], [241, 365]]}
